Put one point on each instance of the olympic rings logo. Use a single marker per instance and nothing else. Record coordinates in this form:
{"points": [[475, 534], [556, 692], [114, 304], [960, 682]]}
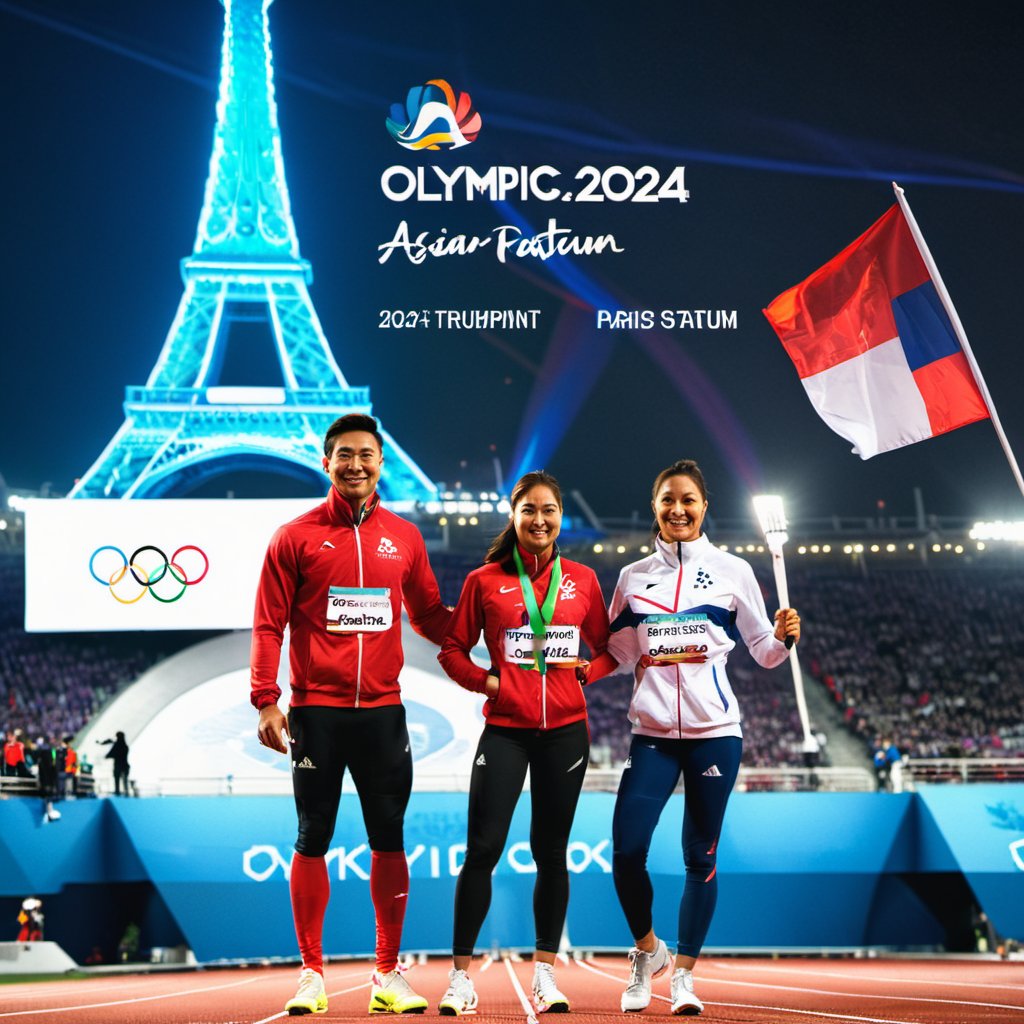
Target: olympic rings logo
{"points": [[147, 573]]}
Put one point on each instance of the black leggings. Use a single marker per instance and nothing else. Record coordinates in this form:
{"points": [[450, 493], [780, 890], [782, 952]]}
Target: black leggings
{"points": [[373, 744], [557, 759]]}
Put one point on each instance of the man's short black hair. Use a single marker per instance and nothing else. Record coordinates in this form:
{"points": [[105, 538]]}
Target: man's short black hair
{"points": [[345, 424]]}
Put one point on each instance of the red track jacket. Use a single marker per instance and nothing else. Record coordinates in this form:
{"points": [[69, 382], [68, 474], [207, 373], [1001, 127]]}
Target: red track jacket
{"points": [[492, 601], [325, 576]]}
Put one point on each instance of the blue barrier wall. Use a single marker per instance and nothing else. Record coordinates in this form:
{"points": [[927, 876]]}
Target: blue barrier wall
{"points": [[795, 870]]}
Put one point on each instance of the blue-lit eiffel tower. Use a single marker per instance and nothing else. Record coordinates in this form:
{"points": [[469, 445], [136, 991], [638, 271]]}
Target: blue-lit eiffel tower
{"points": [[181, 427]]}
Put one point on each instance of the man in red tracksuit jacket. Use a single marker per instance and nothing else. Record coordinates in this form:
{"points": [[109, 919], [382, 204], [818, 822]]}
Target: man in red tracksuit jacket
{"points": [[338, 577]]}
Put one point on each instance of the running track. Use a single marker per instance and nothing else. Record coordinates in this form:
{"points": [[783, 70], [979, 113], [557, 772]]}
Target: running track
{"points": [[791, 991]]}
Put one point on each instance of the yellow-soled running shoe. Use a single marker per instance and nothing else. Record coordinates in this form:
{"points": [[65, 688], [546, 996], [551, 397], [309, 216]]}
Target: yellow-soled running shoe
{"points": [[391, 993], [311, 997]]}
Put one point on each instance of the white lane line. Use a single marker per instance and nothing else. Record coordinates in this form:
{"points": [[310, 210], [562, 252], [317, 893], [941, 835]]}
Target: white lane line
{"points": [[884, 978], [854, 995], [91, 986], [527, 1008], [330, 995], [47, 989], [811, 1013], [759, 1006], [125, 1002]]}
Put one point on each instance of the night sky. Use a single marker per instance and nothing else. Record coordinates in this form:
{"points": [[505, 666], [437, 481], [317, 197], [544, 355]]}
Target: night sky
{"points": [[791, 120]]}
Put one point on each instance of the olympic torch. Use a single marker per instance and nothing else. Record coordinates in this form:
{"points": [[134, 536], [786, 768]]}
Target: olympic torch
{"points": [[770, 514]]}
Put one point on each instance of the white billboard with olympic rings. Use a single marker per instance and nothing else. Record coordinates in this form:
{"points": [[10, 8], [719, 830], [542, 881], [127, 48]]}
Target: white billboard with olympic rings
{"points": [[92, 566]]}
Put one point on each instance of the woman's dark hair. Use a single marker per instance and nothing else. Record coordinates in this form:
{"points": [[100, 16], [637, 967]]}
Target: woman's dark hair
{"points": [[684, 467], [502, 545]]}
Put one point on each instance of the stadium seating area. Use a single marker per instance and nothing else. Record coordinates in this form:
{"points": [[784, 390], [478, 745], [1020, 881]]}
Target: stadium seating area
{"points": [[932, 658], [50, 684]]}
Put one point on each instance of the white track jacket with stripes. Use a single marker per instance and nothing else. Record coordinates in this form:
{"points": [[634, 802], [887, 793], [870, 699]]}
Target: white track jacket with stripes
{"points": [[685, 606]]}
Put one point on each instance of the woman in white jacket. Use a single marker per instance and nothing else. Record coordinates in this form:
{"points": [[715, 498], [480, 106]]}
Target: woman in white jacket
{"points": [[675, 616]]}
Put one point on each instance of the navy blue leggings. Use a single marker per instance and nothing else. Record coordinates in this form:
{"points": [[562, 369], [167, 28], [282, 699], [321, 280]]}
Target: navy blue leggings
{"points": [[709, 768]]}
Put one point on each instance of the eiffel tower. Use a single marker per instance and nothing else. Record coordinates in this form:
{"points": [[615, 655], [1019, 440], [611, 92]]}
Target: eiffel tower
{"points": [[182, 428]]}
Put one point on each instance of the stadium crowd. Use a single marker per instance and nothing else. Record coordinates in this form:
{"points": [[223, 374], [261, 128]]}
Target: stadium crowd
{"points": [[931, 658]]}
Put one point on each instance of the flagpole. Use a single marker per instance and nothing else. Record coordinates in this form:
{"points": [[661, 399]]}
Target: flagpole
{"points": [[958, 328]]}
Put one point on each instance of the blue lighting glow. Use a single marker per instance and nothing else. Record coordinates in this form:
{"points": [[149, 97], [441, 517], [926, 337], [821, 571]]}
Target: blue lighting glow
{"points": [[577, 355]]}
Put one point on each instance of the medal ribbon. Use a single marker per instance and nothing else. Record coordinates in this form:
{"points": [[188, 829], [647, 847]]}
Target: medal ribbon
{"points": [[540, 617]]}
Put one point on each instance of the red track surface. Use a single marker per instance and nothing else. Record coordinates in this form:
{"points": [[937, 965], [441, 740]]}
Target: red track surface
{"points": [[801, 991]]}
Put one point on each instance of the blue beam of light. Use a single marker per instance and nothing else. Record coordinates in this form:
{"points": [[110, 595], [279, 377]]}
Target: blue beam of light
{"points": [[911, 172], [577, 355], [575, 358], [869, 161], [122, 50], [711, 407]]}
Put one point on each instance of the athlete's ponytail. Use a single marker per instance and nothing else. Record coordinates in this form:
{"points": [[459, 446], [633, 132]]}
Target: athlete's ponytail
{"points": [[502, 545]]}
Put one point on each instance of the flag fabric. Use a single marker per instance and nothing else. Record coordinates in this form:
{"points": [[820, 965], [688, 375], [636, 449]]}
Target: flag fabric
{"points": [[873, 345]]}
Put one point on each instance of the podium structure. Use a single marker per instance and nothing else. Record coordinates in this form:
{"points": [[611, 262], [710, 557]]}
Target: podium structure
{"points": [[182, 427]]}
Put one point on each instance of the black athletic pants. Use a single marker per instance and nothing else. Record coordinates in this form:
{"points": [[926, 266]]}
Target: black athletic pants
{"points": [[373, 744], [557, 760]]}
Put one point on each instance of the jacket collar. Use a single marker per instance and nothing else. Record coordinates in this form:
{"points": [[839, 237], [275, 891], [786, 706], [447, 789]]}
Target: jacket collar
{"points": [[534, 564], [681, 553], [339, 511]]}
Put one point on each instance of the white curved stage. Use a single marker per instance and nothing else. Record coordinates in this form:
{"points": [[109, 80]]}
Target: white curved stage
{"points": [[191, 728]]}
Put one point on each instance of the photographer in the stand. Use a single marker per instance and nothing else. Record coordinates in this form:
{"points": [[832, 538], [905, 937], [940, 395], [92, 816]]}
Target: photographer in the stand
{"points": [[118, 752]]}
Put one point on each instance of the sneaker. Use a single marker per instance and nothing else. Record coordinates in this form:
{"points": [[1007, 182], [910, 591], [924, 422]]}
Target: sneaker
{"points": [[391, 993], [546, 997], [311, 997], [642, 968], [461, 995], [684, 1001]]}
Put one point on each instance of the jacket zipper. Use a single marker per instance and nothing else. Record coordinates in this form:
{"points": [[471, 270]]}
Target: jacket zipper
{"points": [[359, 636], [679, 674]]}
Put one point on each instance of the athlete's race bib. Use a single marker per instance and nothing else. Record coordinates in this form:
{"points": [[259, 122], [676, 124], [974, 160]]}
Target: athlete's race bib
{"points": [[561, 645], [358, 610], [674, 637]]}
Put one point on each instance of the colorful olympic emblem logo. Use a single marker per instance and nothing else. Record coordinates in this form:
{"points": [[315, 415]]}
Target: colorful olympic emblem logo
{"points": [[435, 116], [153, 573]]}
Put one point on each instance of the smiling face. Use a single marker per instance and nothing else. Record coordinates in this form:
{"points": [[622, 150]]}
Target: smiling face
{"points": [[679, 507], [354, 465], [537, 518]]}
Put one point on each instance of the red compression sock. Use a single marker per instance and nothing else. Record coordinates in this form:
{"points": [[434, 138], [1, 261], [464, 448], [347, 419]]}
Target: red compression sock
{"points": [[389, 890], [310, 889]]}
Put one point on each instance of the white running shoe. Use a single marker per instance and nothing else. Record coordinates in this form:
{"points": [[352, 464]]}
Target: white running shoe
{"points": [[684, 1000], [642, 968], [461, 995], [546, 996], [311, 997], [391, 993]]}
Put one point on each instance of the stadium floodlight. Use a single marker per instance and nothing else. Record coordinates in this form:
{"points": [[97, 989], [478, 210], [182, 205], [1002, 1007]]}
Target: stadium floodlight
{"points": [[999, 530], [771, 515]]}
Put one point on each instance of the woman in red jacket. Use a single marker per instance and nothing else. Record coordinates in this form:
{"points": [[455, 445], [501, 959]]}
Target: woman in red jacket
{"points": [[536, 610]]}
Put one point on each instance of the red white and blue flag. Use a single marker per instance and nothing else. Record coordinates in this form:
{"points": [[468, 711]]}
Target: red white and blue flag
{"points": [[874, 346]]}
